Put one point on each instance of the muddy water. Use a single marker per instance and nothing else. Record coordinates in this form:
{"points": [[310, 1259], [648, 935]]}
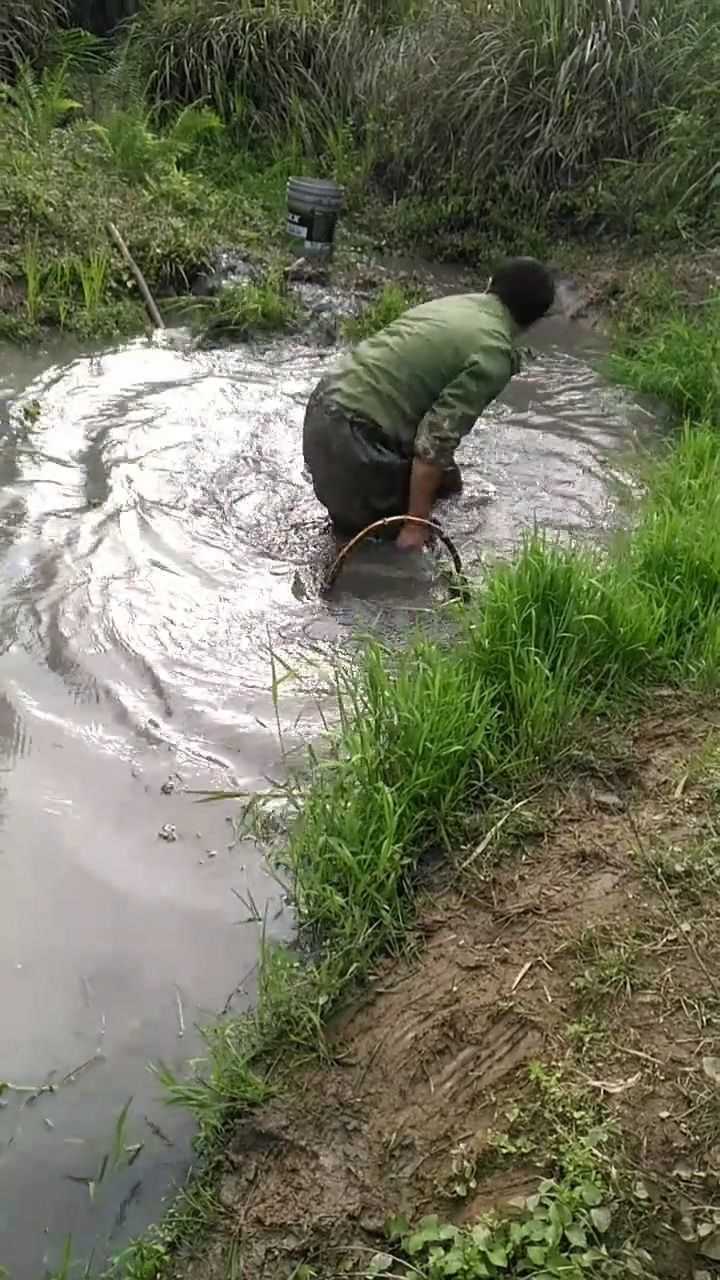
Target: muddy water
{"points": [[157, 535]]}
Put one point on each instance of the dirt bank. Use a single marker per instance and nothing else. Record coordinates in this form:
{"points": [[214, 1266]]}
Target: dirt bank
{"points": [[584, 938]]}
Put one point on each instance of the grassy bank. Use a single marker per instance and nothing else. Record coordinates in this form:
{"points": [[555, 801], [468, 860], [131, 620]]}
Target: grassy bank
{"points": [[530, 1089], [438, 745], [450, 124]]}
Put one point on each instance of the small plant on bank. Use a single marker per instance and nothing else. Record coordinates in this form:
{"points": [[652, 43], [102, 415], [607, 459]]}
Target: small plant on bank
{"points": [[557, 1234], [586, 1035], [93, 275], [609, 969], [562, 1232], [140, 152], [143, 1260]]}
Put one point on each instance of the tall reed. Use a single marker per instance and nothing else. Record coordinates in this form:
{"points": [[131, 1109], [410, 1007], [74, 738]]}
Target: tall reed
{"points": [[525, 101], [27, 27]]}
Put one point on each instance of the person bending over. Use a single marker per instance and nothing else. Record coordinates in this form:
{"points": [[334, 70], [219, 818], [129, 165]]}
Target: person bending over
{"points": [[381, 428]]}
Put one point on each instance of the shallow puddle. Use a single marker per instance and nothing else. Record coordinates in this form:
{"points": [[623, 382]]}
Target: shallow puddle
{"points": [[157, 539]]}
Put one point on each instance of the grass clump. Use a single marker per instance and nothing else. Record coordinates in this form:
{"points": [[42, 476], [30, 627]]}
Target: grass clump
{"points": [[257, 307], [392, 301], [675, 555], [137, 150], [679, 361], [73, 292], [691, 872], [419, 735], [609, 969]]}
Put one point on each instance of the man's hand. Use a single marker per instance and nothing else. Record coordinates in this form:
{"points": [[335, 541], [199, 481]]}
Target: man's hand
{"points": [[412, 537]]}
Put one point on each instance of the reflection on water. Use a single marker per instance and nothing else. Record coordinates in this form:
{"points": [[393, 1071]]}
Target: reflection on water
{"points": [[157, 535]]}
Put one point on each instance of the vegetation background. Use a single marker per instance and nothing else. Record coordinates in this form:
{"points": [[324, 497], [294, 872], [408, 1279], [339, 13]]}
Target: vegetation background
{"points": [[457, 126]]}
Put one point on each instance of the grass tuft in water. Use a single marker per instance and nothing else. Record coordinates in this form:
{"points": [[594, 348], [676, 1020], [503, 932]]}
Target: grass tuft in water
{"points": [[392, 302], [243, 310]]}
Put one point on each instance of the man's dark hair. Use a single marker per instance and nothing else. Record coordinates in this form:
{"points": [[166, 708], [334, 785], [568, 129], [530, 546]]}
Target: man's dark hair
{"points": [[526, 287]]}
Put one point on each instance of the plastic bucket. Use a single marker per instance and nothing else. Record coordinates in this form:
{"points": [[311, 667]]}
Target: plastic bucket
{"points": [[314, 205]]}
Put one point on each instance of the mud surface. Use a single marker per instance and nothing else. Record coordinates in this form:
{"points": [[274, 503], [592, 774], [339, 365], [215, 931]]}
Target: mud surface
{"points": [[576, 945], [157, 539]]}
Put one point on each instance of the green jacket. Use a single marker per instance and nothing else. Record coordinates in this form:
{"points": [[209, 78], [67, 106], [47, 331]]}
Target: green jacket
{"points": [[426, 378]]}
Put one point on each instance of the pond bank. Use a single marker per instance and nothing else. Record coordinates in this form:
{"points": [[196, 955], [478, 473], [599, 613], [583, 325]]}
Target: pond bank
{"points": [[559, 979]]}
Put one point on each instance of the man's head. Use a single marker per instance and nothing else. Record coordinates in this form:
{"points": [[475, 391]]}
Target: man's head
{"points": [[526, 287]]}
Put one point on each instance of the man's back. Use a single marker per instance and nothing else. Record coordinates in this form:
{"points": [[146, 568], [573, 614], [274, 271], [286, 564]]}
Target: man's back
{"points": [[394, 378], [381, 429]]}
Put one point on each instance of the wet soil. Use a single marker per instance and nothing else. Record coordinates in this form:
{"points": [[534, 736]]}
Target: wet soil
{"points": [[585, 939]]}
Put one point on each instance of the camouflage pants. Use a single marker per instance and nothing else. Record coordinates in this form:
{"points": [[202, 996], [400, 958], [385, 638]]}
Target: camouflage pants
{"points": [[356, 475]]}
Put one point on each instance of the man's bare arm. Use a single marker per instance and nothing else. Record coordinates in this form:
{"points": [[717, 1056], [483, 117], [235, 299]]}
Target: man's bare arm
{"points": [[425, 479]]}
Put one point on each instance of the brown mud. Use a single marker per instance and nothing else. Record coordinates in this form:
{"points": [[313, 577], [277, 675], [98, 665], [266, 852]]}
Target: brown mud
{"points": [[586, 937]]}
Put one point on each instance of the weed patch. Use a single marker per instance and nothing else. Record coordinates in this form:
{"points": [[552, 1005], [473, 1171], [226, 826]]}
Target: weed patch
{"points": [[559, 1233], [609, 969]]}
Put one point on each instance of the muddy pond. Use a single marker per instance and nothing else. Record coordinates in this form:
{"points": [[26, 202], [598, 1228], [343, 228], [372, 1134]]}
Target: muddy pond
{"points": [[157, 538]]}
